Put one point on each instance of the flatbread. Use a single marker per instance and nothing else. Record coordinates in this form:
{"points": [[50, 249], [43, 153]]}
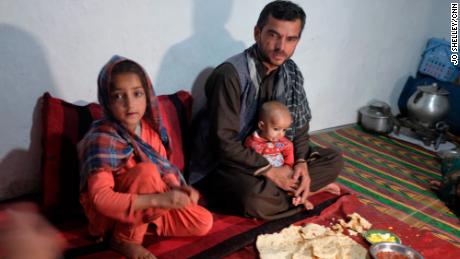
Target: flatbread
{"points": [[311, 231], [310, 241], [279, 245], [325, 247], [357, 223], [353, 251], [305, 252]]}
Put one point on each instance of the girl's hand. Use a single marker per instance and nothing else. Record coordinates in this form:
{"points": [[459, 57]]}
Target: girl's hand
{"points": [[174, 199], [193, 194]]}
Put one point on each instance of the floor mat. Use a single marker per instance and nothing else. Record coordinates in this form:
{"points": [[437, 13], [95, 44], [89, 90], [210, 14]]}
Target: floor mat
{"points": [[393, 176], [348, 204], [228, 235], [388, 174]]}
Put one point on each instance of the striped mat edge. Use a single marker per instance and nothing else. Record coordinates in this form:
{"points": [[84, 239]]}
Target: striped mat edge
{"points": [[392, 175]]}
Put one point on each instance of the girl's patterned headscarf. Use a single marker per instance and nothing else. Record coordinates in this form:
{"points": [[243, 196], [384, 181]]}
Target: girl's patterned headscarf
{"points": [[152, 113]]}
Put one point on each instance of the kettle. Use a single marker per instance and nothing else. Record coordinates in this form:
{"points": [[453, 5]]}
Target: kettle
{"points": [[428, 105]]}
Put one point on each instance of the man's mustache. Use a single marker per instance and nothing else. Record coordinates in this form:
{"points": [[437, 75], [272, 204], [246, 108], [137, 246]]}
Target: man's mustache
{"points": [[277, 52]]}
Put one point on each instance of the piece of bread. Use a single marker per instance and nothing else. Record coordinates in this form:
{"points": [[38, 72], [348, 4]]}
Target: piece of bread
{"points": [[279, 245], [310, 241], [311, 231]]}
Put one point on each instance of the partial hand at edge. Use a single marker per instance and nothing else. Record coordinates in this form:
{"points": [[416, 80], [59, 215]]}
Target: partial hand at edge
{"points": [[27, 234]]}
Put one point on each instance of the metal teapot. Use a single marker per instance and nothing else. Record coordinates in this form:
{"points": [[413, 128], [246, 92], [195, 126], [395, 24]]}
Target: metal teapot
{"points": [[428, 105]]}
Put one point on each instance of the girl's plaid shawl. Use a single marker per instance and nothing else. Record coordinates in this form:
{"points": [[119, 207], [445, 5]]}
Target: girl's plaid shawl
{"points": [[108, 146]]}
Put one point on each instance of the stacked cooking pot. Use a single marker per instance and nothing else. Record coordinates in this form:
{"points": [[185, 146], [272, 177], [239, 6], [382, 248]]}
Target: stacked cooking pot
{"points": [[376, 117]]}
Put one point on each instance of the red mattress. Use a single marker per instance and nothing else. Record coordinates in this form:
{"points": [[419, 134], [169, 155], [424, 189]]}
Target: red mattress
{"points": [[234, 237]]}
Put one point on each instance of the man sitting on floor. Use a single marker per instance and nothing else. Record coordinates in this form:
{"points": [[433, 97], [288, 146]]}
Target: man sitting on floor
{"points": [[233, 177]]}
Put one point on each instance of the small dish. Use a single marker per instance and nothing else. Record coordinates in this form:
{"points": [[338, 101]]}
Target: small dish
{"points": [[390, 250], [375, 236]]}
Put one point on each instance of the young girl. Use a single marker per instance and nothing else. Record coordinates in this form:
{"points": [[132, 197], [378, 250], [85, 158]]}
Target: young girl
{"points": [[126, 180]]}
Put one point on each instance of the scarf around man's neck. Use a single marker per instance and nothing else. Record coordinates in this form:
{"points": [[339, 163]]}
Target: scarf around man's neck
{"points": [[288, 89]]}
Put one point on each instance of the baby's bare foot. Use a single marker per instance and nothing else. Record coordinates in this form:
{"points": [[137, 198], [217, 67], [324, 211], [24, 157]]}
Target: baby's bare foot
{"points": [[332, 188], [296, 201], [308, 205], [131, 250]]}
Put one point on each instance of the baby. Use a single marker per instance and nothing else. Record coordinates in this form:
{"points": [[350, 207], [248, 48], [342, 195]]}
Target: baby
{"points": [[269, 139]]}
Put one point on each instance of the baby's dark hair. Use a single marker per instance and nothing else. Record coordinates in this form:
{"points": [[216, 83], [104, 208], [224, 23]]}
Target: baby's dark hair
{"points": [[282, 10], [271, 109], [128, 66]]}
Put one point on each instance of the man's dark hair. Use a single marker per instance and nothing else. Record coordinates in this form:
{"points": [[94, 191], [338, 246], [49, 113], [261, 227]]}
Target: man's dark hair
{"points": [[282, 10]]}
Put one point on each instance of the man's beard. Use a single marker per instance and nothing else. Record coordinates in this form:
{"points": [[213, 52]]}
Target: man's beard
{"points": [[264, 57]]}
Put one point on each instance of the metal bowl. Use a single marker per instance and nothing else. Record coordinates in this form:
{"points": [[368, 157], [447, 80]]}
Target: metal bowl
{"points": [[396, 248]]}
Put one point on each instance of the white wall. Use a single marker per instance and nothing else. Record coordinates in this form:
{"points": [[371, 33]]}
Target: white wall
{"points": [[351, 52]]}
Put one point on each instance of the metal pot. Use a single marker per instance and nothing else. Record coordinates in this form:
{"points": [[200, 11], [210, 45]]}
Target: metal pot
{"points": [[428, 105], [376, 117]]}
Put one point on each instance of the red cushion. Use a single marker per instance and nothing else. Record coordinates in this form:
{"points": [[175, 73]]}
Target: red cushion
{"points": [[64, 124], [176, 112]]}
